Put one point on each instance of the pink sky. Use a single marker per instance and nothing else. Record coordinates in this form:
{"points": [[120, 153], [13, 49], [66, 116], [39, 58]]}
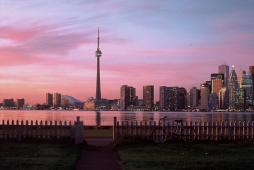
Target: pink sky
{"points": [[49, 46]]}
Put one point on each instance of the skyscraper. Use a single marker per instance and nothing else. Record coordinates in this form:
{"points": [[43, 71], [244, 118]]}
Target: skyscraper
{"points": [[217, 82], [172, 98], [57, 100], [194, 97], [247, 89], [8, 103], [222, 98], [204, 94], [233, 88], [127, 97], [20, 103], [251, 69], [98, 54], [164, 102], [148, 96], [132, 98], [49, 99], [181, 98], [224, 69]]}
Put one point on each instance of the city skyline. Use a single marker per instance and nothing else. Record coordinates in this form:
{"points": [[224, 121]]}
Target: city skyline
{"points": [[157, 43]]}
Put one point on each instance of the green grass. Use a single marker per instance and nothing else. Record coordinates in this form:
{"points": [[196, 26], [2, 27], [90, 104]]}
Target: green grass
{"points": [[181, 156], [15, 156], [98, 133]]}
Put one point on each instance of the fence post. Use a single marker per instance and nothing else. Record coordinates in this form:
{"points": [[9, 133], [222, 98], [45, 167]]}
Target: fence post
{"points": [[78, 131], [114, 131]]}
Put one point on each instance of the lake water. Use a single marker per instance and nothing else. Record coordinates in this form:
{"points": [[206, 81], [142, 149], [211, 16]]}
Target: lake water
{"points": [[106, 117]]}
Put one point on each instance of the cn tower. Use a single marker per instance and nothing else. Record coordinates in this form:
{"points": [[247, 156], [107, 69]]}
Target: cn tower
{"points": [[98, 54]]}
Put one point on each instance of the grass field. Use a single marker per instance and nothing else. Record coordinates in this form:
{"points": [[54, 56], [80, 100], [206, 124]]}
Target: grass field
{"points": [[14, 156], [98, 133], [193, 157]]}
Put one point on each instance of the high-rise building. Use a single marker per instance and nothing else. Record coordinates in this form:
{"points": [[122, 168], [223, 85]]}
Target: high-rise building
{"points": [[98, 54], [204, 97], [213, 101], [209, 85], [224, 69], [247, 89], [172, 92], [49, 99], [172, 98], [148, 96], [181, 98], [133, 98], [20, 103], [223, 98], [8, 103], [164, 103], [251, 70], [233, 88], [168, 98], [65, 102], [217, 80], [57, 100], [194, 97], [127, 97]]}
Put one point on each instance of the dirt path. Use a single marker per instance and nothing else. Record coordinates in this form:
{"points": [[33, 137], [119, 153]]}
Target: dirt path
{"points": [[99, 155]]}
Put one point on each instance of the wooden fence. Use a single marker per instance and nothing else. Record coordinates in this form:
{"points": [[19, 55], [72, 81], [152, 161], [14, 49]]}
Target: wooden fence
{"points": [[223, 132], [42, 131]]}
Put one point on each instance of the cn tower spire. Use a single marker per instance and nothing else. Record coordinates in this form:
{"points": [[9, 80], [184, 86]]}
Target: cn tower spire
{"points": [[98, 54], [98, 39]]}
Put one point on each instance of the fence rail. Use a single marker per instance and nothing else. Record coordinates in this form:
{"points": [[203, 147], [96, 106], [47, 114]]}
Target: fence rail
{"points": [[42, 130], [225, 132]]}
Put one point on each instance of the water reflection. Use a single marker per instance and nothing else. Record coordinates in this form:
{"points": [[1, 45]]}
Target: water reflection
{"points": [[149, 116], [98, 118], [106, 117]]}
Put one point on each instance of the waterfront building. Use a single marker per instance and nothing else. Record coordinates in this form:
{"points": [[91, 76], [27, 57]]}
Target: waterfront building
{"points": [[251, 70], [204, 96], [172, 98], [222, 98], [163, 95], [140, 102], [148, 96], [133, 99], [217, 82], [127, 97], [233, 88], [209, 85], [224, 69], [213, 102], [8, 103], [57, 100], [240, 102], [20, 103], [103, 104], [194, 97], [247, 88], [168, 98], [90, 104], [49, 99], [181, 98], [65, 103]]}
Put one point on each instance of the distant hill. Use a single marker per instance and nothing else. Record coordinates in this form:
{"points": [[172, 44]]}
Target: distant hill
{"points": [[72, 100]]}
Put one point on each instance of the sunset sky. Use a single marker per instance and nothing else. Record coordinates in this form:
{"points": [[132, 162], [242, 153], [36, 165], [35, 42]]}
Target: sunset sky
{"points": [[49, 46]]}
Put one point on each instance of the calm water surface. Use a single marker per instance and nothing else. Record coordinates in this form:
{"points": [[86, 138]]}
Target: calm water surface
{"points": [[106, 117]]}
